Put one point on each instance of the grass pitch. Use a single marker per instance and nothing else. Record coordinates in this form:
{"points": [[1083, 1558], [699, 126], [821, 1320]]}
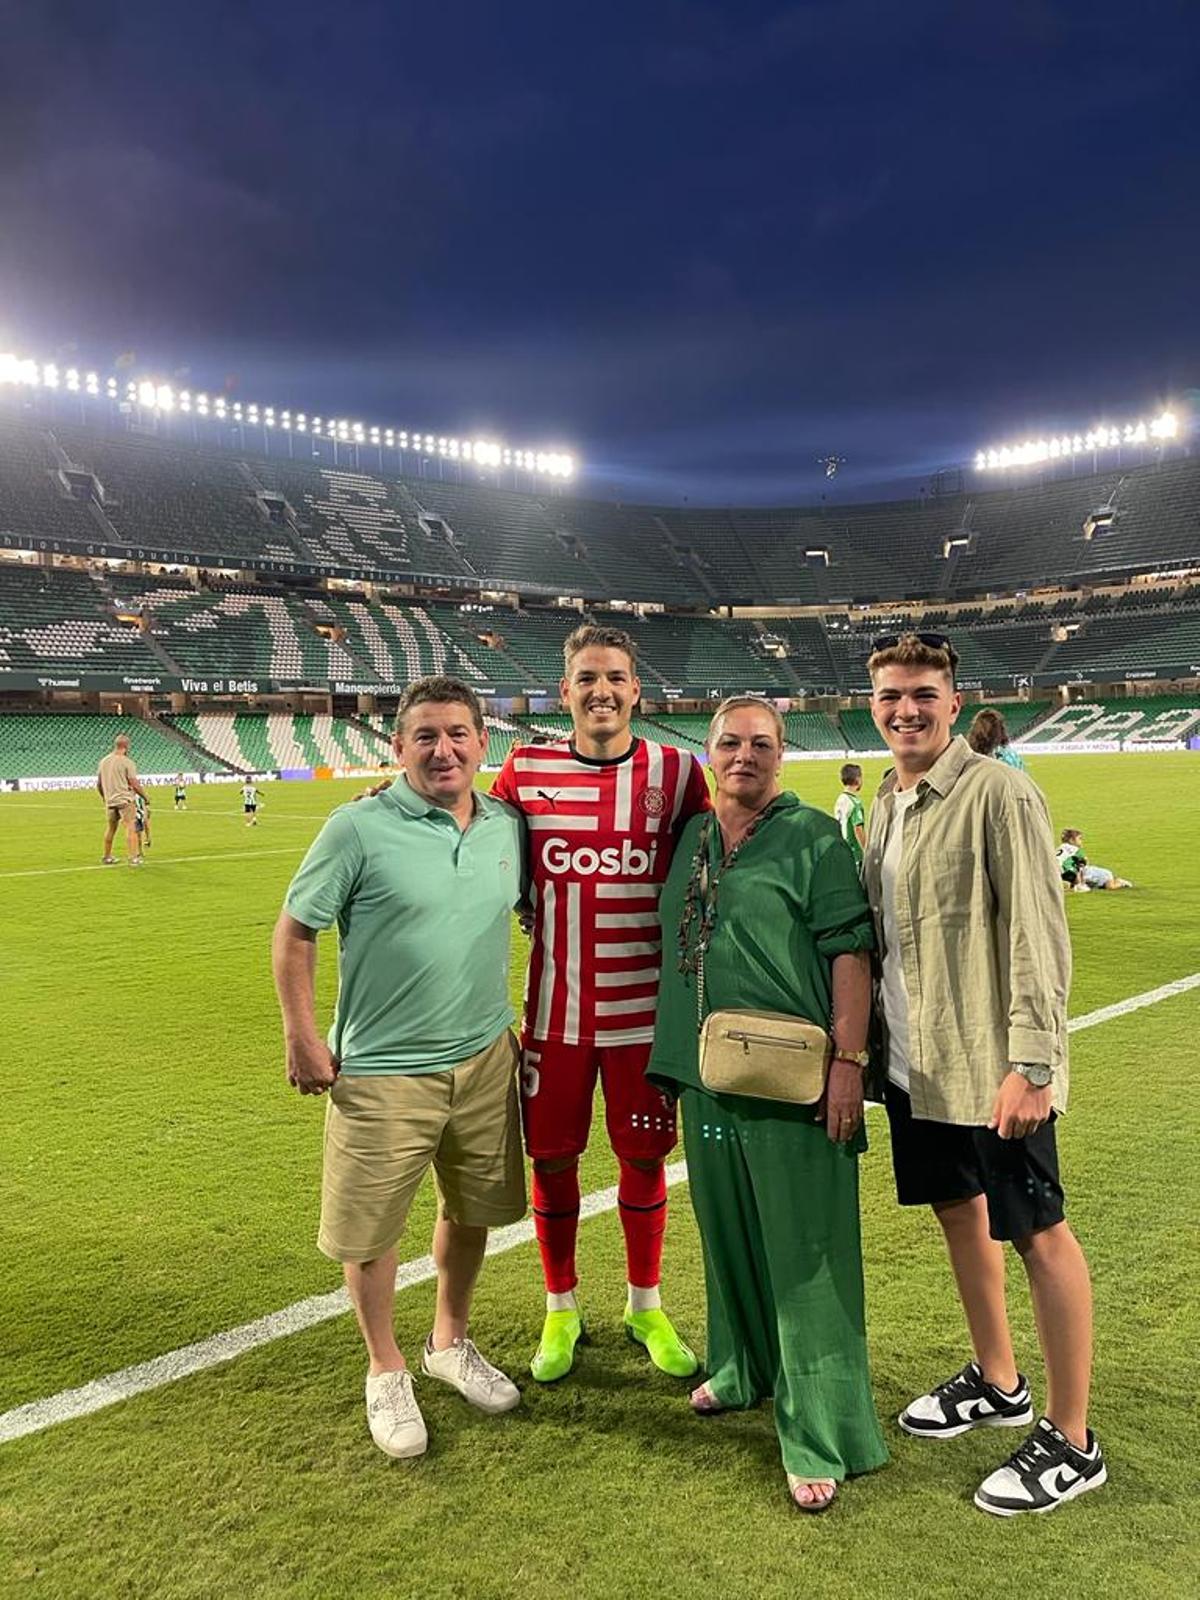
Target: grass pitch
{"points": [[158, 1184]]}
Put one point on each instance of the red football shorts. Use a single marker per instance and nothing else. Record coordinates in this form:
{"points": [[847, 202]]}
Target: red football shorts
{"points": [[558, 1083]]}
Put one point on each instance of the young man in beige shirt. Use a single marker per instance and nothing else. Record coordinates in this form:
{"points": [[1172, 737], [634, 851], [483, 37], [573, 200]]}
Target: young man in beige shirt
{"points": [[972, 996]]}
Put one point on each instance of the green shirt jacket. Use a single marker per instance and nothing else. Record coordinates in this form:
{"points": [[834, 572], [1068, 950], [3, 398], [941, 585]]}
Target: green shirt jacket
{"points": [[787, 906], [985, 947]]}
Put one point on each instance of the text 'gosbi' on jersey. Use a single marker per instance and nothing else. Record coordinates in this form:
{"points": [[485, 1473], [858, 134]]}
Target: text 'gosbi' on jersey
{"points": [[601, 835]]}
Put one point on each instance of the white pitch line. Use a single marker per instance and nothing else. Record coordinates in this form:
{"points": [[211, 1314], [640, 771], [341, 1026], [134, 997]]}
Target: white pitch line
{"points": [[95, 1396], [1122, 1008], [152, 862], [69, 1404]]}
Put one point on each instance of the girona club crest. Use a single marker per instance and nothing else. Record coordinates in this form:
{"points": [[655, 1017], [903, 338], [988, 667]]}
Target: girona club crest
{"points": [[653, 801]]}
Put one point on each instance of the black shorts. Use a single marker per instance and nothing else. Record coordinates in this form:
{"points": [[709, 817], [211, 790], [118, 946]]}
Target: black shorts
{"points": [[936, 1162], [249, 809]]}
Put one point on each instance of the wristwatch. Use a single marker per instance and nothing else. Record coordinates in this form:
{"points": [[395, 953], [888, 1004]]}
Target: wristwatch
{"points": [[1035, 1072], [860, 1058]]}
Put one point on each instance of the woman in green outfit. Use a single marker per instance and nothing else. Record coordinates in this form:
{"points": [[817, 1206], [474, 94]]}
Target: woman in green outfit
{"points": [[768, 906]]}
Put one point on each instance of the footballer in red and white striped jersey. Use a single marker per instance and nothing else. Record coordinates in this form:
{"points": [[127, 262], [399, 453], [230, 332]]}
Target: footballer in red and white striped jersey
{"points": [[604, 810], [602, 831]]}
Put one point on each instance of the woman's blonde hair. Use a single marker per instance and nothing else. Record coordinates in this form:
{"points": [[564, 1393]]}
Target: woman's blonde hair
{"points": [[735, 702]]}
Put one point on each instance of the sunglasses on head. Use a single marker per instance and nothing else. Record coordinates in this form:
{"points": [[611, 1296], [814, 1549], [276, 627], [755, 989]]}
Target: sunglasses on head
{"points": [[935, 641]]}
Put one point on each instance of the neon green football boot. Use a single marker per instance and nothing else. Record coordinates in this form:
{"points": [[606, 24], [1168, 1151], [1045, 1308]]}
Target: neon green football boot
{"points": [[555, 1355], [666, 1349]]}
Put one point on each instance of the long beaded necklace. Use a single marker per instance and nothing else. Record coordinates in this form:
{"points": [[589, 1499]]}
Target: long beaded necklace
{"points": [[700, 896]]}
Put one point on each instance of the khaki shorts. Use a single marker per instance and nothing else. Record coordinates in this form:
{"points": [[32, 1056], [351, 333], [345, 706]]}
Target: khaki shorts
{"points": [[384, 1132], [122, 813]]}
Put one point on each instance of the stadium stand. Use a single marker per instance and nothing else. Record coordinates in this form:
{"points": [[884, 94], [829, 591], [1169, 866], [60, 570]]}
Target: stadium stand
{"points": [[1129, 641], [242, 631], [859, 732], [54, 620], [35, 500], [257, 742], [70, 744], [164, 568], [79, 486], [63, 619], [504, 538], [163, 497], [1158, 718], [811, 730], [334, 517]]}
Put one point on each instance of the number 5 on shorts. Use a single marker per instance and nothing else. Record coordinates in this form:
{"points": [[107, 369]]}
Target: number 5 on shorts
{"points": [[531, 1078]]}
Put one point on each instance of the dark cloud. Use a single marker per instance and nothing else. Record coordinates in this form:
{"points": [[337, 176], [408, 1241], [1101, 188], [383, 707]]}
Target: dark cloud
{"points": [[704, 243]]}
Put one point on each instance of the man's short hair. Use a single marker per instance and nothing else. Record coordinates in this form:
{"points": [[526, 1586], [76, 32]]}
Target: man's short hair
{"points": [[931, 650], [121, 739], [592, 637], [440, 691], [736, 702]]}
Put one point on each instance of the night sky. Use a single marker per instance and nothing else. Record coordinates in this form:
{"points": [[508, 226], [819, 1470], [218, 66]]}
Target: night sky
{"points": [[703, 245]]}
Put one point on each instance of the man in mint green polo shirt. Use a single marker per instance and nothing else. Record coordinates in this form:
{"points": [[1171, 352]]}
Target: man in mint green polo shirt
{"points": [[420, 1063]]}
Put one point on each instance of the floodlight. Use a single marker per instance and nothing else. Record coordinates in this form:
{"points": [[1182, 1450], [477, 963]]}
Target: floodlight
{"points": [[162, 397], [1100, 436]]}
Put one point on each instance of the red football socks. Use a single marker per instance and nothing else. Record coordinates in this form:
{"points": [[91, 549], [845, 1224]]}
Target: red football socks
{"points": [[556, 1219], [642, 1201]]}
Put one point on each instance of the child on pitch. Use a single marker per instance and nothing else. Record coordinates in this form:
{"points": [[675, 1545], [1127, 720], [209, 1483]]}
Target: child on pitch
{"points": [[250, 798], [1078, 872], [141, 823], [849, 810]]}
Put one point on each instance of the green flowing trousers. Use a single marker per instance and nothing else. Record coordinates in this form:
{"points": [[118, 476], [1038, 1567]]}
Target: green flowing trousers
{"points": [[777, 1205]]}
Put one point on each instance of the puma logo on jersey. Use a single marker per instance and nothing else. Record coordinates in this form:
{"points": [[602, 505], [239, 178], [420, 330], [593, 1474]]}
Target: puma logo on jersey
{"points": [[628, 862]]}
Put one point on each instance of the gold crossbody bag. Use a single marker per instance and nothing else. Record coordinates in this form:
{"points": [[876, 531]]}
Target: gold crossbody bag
{"points": [[766, 1055]]}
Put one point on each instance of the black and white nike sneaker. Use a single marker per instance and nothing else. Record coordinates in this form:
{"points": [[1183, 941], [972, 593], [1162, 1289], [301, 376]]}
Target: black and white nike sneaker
{"points": [[1046, 1471], [966, 1401]]}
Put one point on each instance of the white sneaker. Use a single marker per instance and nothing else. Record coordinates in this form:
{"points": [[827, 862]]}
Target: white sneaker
{"points": [[463, 1368], [1083, 888], [394, 1416]]}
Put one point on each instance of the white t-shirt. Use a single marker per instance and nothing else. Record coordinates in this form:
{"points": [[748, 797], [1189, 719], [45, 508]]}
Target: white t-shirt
{"points": [[893, 990]]}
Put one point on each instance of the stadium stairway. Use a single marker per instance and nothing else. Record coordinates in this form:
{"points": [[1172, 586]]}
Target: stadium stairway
{"points": [[781, 663], [153, 644], [313, 621]]}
